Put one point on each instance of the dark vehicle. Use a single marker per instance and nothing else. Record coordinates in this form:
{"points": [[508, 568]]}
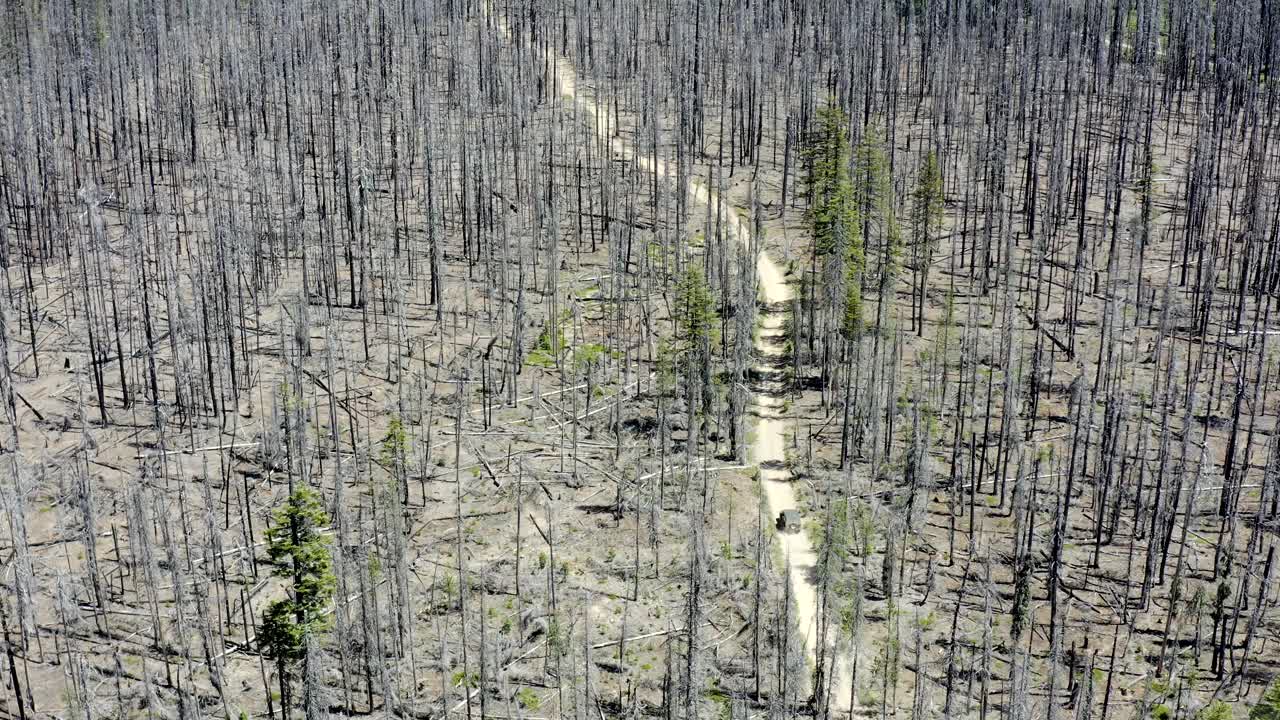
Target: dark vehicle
{"points": [[789, 520]]}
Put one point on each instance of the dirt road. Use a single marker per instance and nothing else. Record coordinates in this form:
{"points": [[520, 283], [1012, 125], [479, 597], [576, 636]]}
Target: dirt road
{"points": [[767, 450]]}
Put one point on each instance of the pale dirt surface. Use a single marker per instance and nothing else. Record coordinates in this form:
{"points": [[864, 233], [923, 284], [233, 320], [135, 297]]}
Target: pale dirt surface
{"points": [[766, 449]]}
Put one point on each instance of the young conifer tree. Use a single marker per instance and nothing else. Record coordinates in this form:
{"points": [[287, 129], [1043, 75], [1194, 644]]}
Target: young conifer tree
{"points": [[298, 550], [926, 218]]}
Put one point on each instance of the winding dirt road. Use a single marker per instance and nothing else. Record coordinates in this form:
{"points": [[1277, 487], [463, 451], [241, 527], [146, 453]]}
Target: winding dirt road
{"points": [[767, 449]]}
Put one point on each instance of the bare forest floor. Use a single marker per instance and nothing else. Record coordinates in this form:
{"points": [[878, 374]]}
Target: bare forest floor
{"points": [[461, 319]]}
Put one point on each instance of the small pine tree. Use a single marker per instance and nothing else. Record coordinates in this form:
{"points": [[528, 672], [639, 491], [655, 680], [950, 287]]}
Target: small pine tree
{"points": [[1268, 708], [851, 326], [927, 203], [697, 310], [1216, 710], [873, 192], [697, 317], [926, 217], [297, 549], [834, 218], [394, 449], [833, 212]]}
